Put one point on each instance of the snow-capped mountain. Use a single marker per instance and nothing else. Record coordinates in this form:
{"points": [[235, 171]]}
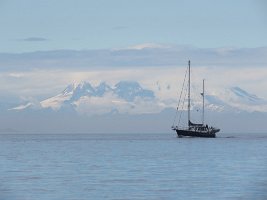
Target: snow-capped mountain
{"points": [[235, 98], [73, 93], [131, 97], [131, 90], [123, 96], [246, 97]]}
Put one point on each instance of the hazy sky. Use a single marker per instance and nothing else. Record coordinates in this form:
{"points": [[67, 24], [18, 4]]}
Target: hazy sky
{"points": [[32, 25]]}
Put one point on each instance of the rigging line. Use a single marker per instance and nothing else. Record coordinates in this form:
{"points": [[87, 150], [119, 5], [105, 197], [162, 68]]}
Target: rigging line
{"points": [[177, 109], [181, 113]]}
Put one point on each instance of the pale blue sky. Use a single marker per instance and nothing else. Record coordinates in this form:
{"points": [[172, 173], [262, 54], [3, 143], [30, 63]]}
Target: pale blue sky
{"points": [[32, 25]]}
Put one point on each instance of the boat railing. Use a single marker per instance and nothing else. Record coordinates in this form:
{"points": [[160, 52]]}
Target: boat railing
{"points": [[180, 127]]}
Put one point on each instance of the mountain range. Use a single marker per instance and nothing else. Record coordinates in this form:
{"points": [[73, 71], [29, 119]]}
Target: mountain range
{"points": [[132, 98], [124, 94]]}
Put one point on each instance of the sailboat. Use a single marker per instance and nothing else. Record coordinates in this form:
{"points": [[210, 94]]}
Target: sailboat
{"points": [[194, 129]]}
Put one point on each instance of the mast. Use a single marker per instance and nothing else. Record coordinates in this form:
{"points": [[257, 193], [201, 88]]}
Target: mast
{"points": [[203, 106], [189, 93]]}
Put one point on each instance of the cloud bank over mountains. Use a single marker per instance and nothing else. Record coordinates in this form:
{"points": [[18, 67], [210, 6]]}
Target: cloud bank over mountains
{"points": [[143, 55]]}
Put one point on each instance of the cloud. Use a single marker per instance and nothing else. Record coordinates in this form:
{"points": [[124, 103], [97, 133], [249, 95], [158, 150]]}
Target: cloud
{"points": [[138, 56], [34, 39], [17, 75], [148, 46], [110, 104]]}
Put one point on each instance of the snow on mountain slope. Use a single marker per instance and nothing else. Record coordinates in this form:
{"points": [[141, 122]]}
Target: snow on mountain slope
{"points": [[57, 101], [22, 107], [237, 98], [72, 93], [102, 98]]}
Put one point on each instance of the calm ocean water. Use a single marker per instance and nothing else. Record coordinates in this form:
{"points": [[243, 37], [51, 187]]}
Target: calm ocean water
{"points": [[132, 166]]}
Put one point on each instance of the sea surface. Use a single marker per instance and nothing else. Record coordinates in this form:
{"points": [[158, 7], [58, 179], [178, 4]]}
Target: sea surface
{"points": [[132, 166]]}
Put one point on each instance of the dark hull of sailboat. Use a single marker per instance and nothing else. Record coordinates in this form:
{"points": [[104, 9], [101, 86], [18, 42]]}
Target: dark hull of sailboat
{"points": [[189, 133]]}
